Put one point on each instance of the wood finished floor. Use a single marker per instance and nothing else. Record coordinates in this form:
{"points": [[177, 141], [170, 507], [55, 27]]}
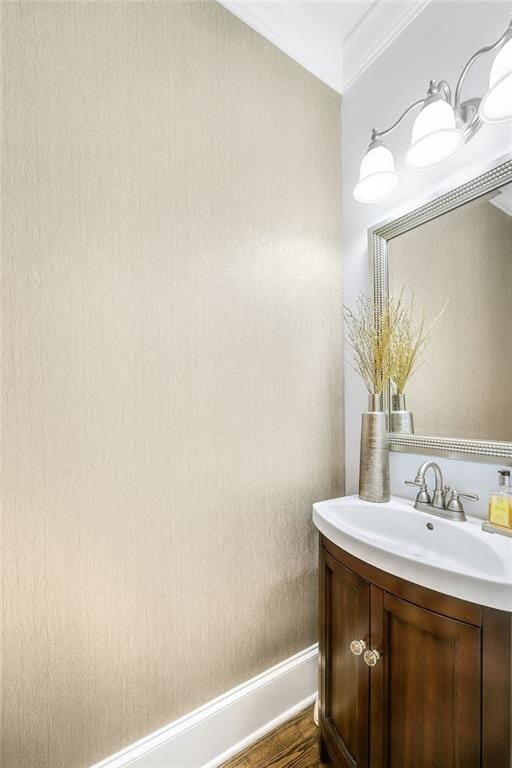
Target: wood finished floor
{"points": [[293, 745]]}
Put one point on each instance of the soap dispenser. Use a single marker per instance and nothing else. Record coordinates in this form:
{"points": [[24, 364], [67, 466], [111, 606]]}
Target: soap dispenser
{"points": [[500, 505]]}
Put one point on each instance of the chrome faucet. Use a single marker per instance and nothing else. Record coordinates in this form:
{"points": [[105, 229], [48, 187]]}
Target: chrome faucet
{"points": [[443, 503]]}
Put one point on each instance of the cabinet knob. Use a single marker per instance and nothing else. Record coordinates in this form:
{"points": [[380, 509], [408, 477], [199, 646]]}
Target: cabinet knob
{"points": [[371, 658], [357, 647]]}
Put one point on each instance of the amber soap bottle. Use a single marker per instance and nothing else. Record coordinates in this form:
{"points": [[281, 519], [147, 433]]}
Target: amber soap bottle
{"points": [[500, 501]]}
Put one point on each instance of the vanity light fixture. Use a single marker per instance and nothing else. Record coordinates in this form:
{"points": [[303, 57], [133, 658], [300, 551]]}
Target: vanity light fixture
{"points": [[442, 127]]}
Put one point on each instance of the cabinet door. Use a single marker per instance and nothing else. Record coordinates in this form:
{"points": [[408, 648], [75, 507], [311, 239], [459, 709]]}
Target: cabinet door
{"points": [[425, 690], [344, 678]]}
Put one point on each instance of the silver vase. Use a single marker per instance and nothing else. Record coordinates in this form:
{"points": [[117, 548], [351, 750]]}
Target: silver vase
{"points": [[374, 460], [401, 419]]}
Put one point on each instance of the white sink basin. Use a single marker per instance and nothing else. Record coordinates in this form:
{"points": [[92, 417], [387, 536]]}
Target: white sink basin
{"points": [[458, 559]]}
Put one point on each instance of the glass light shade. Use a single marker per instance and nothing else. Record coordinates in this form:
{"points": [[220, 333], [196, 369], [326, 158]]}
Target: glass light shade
{"points": [[496, 105], [435, 138], [377, 177]]}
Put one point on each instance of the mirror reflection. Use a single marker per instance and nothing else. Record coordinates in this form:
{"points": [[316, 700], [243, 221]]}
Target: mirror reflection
{"points": [[458, 268]]}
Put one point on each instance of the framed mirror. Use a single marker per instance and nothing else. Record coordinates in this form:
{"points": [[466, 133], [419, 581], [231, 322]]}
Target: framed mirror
{"points": [[449, 262]]}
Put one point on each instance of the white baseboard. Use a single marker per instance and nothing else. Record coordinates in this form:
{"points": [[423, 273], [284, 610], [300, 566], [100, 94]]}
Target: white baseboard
{"points": [[212, 734]]}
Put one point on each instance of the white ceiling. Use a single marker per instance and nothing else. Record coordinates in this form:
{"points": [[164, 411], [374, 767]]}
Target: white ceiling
{"points": [[336, 40]]}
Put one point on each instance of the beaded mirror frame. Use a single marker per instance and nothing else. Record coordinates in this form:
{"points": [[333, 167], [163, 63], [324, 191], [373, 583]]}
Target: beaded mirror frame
{"points": [[378, 238]]}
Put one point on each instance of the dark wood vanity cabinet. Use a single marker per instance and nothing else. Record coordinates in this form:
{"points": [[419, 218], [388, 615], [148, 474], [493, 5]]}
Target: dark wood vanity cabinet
{"points": [[346, 615], [437, 695]]}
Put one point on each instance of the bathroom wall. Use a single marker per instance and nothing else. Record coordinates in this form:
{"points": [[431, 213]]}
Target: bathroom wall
{"points": [[172, 391], [437, 44]]}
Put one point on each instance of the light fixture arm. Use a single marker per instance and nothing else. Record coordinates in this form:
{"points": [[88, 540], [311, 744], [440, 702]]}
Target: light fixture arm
{"points": [[487, 49], [378, 134], [433, 90]]}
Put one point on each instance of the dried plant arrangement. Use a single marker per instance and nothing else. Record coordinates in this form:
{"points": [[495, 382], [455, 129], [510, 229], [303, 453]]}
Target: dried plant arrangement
{"points": [[409, 340], [371, 346], [392, 351]]}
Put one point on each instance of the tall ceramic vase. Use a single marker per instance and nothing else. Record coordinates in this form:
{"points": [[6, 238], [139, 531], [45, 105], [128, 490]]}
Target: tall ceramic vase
{"points": [[401, 419], [374, 460]]}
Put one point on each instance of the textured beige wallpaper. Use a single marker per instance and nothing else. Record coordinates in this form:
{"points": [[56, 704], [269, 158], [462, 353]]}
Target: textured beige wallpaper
{"points": [[172, 399], [464, 258]]}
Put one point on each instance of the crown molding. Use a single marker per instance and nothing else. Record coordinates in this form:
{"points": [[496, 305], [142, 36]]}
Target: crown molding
{"points": [[244, 11], [338, 67], [379, 30]]}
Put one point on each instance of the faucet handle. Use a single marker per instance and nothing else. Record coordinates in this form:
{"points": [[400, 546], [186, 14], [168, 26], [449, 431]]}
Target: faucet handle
{"points": [[471, 496], [423, 494], [455, 505]]}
